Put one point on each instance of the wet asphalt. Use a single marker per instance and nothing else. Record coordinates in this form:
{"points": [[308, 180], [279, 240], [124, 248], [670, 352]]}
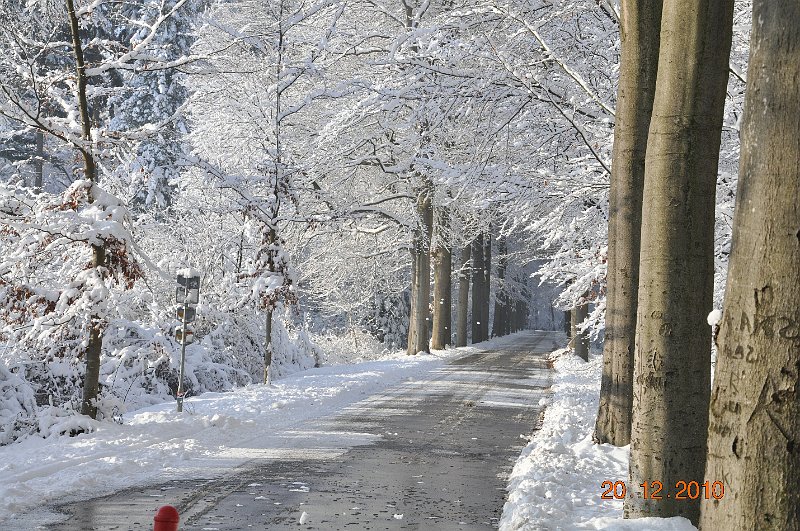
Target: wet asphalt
{"points": [[438, 456]]}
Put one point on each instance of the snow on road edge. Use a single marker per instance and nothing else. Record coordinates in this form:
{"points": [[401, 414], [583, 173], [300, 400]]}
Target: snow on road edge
{"points": [[216, 432], [555, 484]]}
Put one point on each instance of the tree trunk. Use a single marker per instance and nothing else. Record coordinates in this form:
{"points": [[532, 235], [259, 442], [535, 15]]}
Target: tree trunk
{"points": [[478, 291], [640, 25], [568, 323], [94, 347], [421, 290], [487, 285], [463, 298], [754, 431], [580, 340], [676, 277], [412, 309], [501, 303], [268, 346], [272, 237], [38, 164], [442, 296]]}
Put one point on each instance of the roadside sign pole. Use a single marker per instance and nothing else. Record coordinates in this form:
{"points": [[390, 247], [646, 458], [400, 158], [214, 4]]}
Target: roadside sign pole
{"points": [[188, 293], [183, 356]]}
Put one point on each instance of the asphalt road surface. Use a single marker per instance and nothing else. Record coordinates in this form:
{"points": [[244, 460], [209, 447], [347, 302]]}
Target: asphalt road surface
{"points": [[432, 454]]}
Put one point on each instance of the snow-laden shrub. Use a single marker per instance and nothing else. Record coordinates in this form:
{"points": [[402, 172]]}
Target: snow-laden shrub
{"points": [[139, 367], [387, 319], [17, 406], [350, 346], [20, 417]]}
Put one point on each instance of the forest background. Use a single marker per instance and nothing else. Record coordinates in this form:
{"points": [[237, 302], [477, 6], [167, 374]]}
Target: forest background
{"points": [[309, 159]]}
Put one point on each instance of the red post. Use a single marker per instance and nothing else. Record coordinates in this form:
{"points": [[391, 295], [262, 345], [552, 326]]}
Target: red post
{"points": [[166, 519]]}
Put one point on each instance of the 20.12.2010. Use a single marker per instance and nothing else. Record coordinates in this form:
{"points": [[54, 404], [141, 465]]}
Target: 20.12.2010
{"points": [[654, 490]]}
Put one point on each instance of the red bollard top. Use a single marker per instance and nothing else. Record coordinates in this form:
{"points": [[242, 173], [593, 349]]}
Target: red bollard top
{"points": [[166, 519]]}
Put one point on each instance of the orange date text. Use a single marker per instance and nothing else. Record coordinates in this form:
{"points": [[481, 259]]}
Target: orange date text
{"points": [[654, 490]]}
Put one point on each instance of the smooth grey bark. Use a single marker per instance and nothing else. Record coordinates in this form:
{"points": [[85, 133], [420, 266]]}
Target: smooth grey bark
{"points": [[580, 340], [442, 292], [462, 312], [487, 285], [754, 416], [412, 312], [640, 25], [478, 291], [502, 311], [421, 289], [672, 363]]}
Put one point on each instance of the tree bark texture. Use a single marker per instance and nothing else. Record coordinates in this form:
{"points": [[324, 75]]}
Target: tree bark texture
{"points": [[502, 312], [462, 313], [640, 25], [754, 416], [478, 291], [487, 285], [442, 297], [412, 309], [580, 340], [676, 277], [421, 289]]}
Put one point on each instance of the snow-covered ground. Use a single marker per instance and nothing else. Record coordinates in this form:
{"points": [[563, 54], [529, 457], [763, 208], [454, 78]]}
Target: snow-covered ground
{"points": [[555, 484], [216, 431]]}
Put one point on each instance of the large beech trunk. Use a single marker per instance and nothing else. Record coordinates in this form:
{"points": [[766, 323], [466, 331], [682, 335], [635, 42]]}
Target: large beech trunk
{"points": [[442, 295], [672, 359], [486, 285], [462, 314], [421, 278], [754, 431], [640, 25], [478, 291], [502, 311]]}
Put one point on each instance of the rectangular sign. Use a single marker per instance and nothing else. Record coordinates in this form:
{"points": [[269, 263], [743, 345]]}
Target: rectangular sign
{"points": [[189, 282], [181, 296], [179, 335], [190, 312]]}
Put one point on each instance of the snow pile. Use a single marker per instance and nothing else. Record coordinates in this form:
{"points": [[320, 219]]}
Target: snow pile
{"points": [[556, 481], [714, 317]]}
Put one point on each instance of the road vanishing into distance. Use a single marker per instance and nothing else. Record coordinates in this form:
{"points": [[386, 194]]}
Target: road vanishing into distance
{"points": [[429, 454]]}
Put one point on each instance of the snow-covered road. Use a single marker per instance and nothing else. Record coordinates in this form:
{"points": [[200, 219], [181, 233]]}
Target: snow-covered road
{"points": [[430, 442]]}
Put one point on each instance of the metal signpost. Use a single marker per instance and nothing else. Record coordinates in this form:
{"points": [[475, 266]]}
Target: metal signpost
{"points": [[188, 292]]}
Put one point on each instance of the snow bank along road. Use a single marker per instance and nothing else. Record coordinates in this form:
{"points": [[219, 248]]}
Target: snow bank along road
{"points": [[431, 453]]}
